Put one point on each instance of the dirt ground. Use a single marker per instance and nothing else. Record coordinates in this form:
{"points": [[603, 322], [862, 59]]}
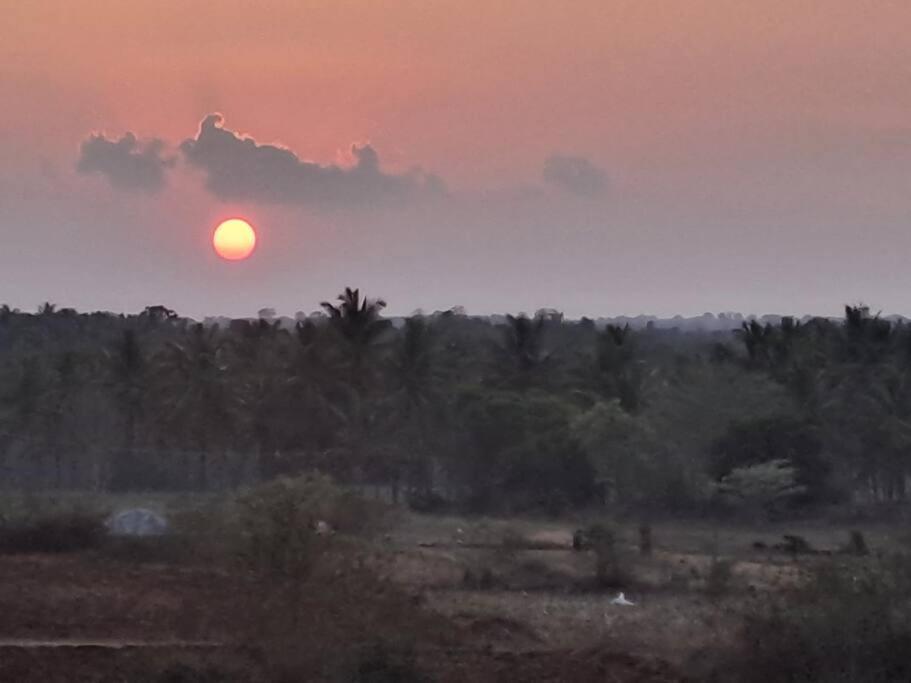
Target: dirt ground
{"points": [[536, 620], [85, 599]]}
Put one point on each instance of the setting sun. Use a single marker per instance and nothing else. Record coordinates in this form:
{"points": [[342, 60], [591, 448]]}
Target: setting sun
{"points": [[234, 239]]}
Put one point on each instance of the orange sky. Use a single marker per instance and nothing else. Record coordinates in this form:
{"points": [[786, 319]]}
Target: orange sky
{"points": [[786, 114], [482, 89]]}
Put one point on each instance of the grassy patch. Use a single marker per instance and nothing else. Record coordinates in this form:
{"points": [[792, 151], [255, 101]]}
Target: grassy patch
{"points": [[850, 622]]}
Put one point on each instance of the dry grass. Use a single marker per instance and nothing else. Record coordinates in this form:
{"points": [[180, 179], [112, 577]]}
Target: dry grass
{"points": [[678, 613], [405, 588], [668, 626]]}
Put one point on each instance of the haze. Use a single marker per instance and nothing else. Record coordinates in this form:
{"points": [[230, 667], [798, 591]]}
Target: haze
{"points": [[600, 157]]}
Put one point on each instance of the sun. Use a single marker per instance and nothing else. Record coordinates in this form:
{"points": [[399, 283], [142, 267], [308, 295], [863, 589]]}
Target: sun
{"points": [[234, 239]]}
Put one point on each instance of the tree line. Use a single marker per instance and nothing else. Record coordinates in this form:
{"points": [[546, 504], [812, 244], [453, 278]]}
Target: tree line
{"points": [[533, 413]]}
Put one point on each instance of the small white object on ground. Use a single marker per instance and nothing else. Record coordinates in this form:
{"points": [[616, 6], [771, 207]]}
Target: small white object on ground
{"points": [[322, 528], [621, 600]]}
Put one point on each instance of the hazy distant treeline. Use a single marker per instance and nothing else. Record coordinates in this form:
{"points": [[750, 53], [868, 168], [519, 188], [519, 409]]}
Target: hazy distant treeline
{"points": [[510, 413]]}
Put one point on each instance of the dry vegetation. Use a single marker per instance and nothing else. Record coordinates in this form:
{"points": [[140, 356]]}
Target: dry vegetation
{"points": [[243, 590]]}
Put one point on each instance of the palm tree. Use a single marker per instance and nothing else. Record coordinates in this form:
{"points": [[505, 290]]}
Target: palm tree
{"points": [[415, 401], [757, 339], [520, 355], [23, 410], [158, 314], [126, 377], [259, 374], [867, 338], [6, 313], [412, 367], [199, 402], [314, 397], [65, 383], [358, 322], [618, 373]]}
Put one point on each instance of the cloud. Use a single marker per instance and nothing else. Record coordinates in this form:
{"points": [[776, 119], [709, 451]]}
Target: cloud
{"points": [[239, 168], [127, 163], [574, 174]]}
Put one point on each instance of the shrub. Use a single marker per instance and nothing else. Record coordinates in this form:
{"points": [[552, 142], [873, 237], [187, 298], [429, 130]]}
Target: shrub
{"points": [[610, 569], [427, 502], [857, 544], [762, 488], [645, 540], [847, 624], [513, 540], [342, 623], [182, 672], [769, 439], [167, 548], [314, 597], [718, 579], [479, 578], [720, 572], [274, 524], [55, 532]]}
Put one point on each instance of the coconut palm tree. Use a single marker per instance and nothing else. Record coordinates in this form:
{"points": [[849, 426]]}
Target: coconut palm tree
{"points": [[618, 373], [126, 379], [520, 358], [314, 397], [23, 413], [359, 323], [197, 398], [415, 402]]}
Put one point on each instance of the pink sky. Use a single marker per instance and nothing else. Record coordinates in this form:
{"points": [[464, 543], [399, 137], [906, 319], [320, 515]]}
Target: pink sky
{"points": [[757, 154]]}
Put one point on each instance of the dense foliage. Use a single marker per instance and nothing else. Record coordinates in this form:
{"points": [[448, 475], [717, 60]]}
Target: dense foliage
{"points": [[508, 413]]}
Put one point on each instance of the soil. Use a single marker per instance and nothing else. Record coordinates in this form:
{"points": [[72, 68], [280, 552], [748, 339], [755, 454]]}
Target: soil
{"points": [[88, 618]]}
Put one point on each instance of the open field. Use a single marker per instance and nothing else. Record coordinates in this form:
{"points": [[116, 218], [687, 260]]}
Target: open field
{"points": [[500, 599], [542, 597]]}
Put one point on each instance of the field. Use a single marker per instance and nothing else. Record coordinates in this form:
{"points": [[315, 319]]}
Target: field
{"points": [[479, 599]]}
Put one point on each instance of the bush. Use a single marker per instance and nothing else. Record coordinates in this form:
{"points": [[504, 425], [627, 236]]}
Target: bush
{"points": [[182, 672], [645, 540], [56, 532], [610, 567], [512, 540], [762, 488], [857, 544], [769, 439], [274, 524], [719, 577], [342, 623], [314, 598], [427, 502], [480, 578], [849, 623], [168, 548]]}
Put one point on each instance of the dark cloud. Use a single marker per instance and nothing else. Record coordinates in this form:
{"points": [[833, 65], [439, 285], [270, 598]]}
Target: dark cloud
{"points": [[239, 168], [127, 163], [574, 174]]}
